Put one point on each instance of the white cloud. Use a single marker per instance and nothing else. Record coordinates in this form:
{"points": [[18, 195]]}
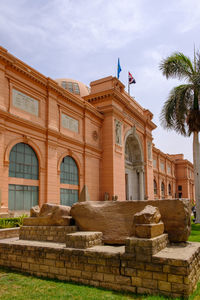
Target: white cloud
{"points": [[63, 23], [190, 15], [83, 38]]}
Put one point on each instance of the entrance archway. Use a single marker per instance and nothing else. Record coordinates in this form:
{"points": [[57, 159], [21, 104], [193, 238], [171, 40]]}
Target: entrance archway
{"points": [[134, 168]]}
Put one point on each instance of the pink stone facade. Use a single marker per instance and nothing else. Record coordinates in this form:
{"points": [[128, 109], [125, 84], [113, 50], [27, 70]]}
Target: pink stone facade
{"points": [[107, 134]]}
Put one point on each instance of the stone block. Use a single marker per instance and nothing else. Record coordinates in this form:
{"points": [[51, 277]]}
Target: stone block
{"points": [[150, 283], [83, 240], [86, 274], [115, 218], [130, 272], [97, 276], [178, 287], [149, 215], [143, 247], [160, 276], [136, 281], [109, 277], [122, 279], [164, 286], [144, 274], [175, 278], [148, 230]]}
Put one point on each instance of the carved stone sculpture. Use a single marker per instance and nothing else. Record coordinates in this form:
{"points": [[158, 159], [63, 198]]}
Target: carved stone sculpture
{"points": [[49, 215], [115, 218]]}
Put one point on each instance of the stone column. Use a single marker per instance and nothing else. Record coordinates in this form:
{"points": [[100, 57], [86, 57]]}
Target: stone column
{"points": [[141, 182]]}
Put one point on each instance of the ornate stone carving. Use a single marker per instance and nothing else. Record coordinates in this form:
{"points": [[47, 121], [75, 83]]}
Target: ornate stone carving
{"points": [[118, 132]]}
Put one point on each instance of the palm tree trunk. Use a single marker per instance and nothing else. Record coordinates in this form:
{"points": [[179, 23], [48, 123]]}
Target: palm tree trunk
{"points": [[196, 162]]}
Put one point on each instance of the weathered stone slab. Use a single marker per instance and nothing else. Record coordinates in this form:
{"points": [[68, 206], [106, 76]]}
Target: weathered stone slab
{"points": [[115, 218], [46, 221], [54, 210], [49, 215]]}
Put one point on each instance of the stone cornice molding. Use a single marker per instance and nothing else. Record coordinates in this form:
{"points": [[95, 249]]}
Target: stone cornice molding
{"points": [[142, 114], [51, 85]]}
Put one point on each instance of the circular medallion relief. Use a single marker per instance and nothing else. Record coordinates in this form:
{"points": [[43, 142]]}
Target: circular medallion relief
{"points": [[95, 135]]}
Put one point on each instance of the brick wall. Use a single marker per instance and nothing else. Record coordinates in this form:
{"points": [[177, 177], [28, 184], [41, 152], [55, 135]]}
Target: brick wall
{"points": [[105, 266], [9, 233]]}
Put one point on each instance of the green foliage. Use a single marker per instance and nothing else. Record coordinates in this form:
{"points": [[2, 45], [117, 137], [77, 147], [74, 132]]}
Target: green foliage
{"points": [[181, 110], [12, 222]]}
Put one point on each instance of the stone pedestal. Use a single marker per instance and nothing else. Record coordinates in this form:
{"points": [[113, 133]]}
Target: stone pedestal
{"points": [[143, 249], [83, 240], [149, 230]]}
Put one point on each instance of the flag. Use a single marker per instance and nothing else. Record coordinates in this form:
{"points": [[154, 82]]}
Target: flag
{"points": [[118, 68], [131, 79]]}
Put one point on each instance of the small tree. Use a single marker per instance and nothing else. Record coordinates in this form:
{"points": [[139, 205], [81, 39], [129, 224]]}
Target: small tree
{"points": [[181, 110]]}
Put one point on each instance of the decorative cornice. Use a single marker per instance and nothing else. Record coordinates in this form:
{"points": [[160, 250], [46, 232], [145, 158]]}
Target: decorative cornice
{"points": [[48, 83]]}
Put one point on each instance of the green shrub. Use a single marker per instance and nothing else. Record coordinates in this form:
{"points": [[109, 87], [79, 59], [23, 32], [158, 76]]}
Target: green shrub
{"points": [[12, 222]]}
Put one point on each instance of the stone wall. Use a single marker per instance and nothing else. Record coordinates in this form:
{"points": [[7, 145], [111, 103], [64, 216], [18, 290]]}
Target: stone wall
{"points": [[9, 233], [172, 271], [55, 234]]}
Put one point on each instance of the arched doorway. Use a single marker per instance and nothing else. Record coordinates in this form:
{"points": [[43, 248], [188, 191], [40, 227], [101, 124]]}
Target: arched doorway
{"points": [[134, 170], [69, 181], [23, 163]]}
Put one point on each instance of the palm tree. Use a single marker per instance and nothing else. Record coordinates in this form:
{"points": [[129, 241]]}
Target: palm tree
{"points": [[181, 110]]}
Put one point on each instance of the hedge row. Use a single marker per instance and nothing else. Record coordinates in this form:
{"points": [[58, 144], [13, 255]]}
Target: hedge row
{"points": [[11, 222]]}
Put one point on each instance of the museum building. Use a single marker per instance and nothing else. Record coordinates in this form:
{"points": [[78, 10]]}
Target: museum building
{"points": [[57, 136]]}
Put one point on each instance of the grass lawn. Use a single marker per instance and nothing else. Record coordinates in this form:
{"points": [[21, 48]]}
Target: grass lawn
{"points": [[195, 233], [14, 285]]}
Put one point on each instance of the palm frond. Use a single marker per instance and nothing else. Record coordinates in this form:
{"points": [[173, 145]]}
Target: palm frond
{"points": [[176, 107], [177, 66]]}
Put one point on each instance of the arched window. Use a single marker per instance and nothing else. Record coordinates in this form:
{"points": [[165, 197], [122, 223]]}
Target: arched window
{"points": [[169, 189], [23, 163], [162, 189], [155, 187], [69, 180]]}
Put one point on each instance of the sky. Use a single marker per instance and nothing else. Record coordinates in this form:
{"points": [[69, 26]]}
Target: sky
{"points": [[82, 40]]}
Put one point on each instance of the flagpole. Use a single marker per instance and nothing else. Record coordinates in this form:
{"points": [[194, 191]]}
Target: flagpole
{"points": [[128, 86]]}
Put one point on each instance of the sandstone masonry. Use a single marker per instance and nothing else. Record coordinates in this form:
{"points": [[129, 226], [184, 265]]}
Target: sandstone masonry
{"points": [[174, 271]]}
